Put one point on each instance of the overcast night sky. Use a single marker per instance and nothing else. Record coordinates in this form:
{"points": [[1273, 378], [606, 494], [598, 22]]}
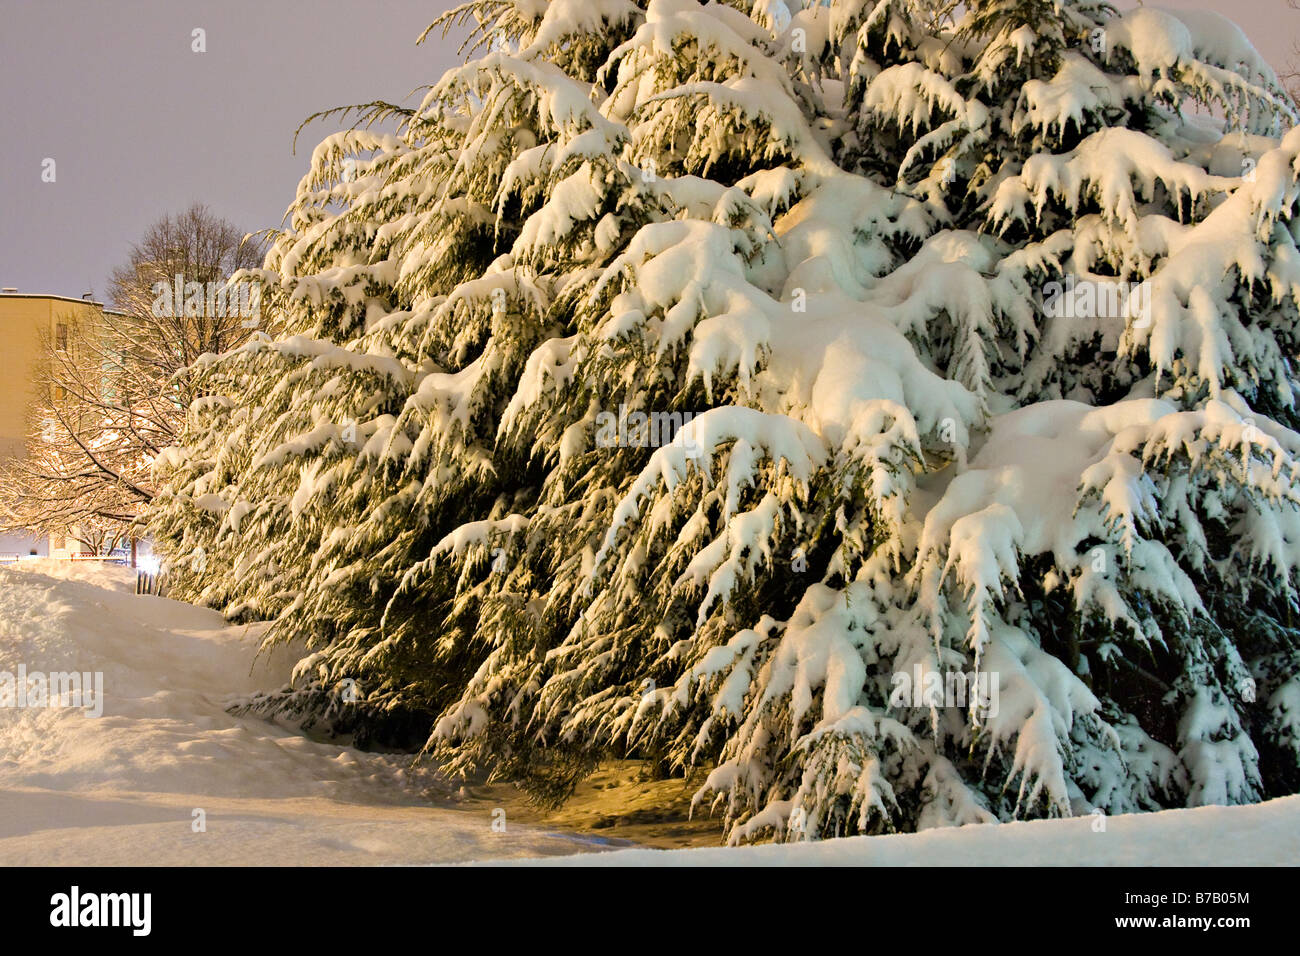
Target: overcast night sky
{"points": [[140, 126]]}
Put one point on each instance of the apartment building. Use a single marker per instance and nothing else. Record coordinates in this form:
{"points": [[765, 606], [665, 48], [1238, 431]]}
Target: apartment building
{"points": [[23, 320]]}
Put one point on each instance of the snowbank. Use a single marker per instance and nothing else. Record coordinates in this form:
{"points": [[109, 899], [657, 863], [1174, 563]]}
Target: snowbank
{"points": [[1267, 834]]}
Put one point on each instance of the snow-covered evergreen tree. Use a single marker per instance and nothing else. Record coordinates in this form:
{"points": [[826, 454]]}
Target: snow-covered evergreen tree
{"points": [[980, 320]]}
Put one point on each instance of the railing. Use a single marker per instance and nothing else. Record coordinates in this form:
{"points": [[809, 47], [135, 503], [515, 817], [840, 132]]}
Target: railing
{"points": [[150, 583]]}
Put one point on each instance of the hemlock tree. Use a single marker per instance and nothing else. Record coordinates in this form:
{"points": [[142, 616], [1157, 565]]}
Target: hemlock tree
{"points": [[983, 317]]}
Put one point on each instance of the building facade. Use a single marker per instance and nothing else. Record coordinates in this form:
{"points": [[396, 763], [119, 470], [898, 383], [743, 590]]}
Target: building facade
{"points": [[25, 322]]}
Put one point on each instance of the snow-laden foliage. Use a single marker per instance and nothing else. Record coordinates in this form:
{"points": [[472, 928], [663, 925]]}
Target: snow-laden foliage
{"points": [[979, 325]]}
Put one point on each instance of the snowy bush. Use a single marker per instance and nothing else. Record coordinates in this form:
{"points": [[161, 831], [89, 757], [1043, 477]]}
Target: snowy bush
{"points": [[824, 235]]}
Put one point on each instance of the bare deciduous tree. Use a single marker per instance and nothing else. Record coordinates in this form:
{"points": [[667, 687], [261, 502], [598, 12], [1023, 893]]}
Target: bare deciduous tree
{"points": [[1290, 77], [111, 389], [203, 250]]}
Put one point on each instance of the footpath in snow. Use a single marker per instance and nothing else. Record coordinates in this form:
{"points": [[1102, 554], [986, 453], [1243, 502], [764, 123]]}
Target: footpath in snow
{"points": [[122, 788]]}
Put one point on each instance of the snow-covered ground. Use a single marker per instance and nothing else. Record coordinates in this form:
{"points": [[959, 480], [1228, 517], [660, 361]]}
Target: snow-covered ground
{"points": [[1267, 834], [122, 788]]}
